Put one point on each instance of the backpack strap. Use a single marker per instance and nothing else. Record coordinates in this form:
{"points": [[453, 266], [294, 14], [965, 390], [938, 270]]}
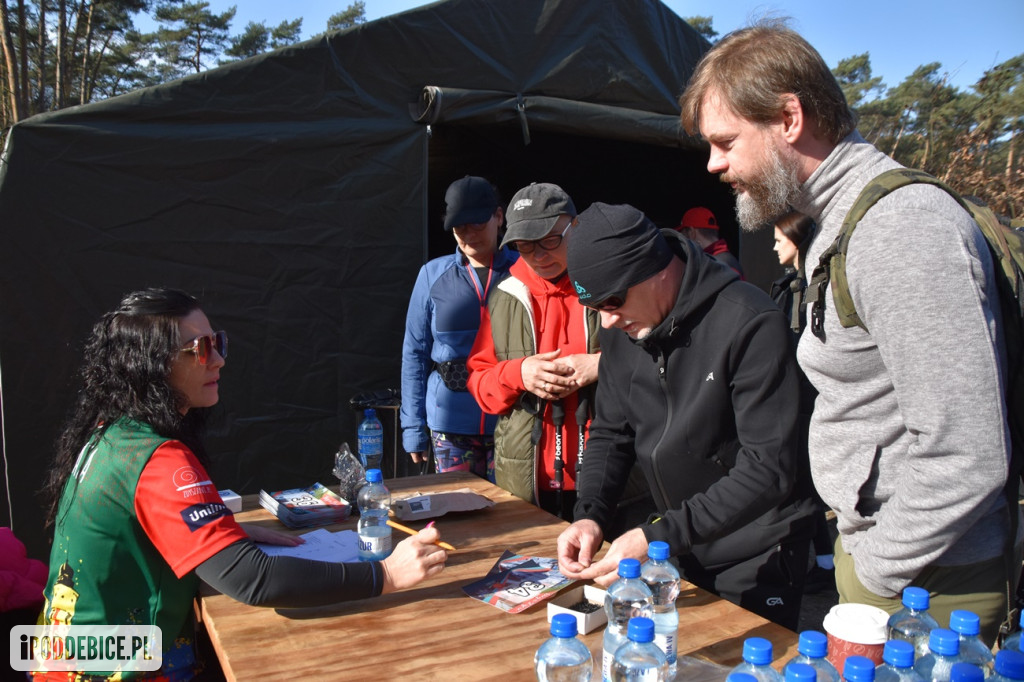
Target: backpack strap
{"points": [[832, 263]]}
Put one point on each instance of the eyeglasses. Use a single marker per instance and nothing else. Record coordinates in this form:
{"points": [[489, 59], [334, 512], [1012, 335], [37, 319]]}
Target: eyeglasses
{"points": [[547, 243], [609, 303], [202, 345]]}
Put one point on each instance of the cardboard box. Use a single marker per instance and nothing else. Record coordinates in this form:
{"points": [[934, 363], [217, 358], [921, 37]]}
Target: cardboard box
{"points": [[585, 622], [232, 500]]}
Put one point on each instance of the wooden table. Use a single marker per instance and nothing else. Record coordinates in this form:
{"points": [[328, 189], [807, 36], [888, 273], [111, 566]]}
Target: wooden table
{"points": [[434, 631]]}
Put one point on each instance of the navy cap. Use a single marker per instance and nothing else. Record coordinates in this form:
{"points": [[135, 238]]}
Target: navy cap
{"points": [[469, 201]]}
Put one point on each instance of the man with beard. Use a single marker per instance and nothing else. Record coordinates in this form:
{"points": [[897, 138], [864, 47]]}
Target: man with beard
{"points": [[699, 387], [909, 441]]}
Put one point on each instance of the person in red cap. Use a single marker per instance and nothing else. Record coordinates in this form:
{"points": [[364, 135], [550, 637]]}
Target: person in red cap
{"points": [[699, 225]]}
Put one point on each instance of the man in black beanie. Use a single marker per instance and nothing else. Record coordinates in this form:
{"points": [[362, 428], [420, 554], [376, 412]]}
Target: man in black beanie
{"points": [[698, 385]]}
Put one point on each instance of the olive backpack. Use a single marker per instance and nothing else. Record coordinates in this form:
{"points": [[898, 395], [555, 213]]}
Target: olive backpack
{"points": [[1007, 248]]}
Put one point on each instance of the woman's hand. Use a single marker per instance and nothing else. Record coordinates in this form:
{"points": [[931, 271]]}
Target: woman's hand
{"points": [[414, 559]]}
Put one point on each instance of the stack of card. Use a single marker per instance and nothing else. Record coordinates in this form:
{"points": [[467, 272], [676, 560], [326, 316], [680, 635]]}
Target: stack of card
{"points": [[316, 505]]}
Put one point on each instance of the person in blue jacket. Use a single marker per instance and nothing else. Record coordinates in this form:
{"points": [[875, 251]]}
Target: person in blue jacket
{"points": [[440, 327]]}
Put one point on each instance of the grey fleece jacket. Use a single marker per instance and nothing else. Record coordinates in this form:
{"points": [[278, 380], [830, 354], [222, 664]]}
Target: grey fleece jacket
{"points": [[908, 441]]}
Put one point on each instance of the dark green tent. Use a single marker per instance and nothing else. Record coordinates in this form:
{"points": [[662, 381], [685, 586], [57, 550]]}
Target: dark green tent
{"points": [[298, 192]]}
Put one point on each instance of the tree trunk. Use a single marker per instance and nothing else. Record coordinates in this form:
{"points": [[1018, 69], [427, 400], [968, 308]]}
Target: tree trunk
{"points": [[41, 60], [9, 64], [1011, 146], [82, 94], [60, 71], [25, 95], [96, 64]]}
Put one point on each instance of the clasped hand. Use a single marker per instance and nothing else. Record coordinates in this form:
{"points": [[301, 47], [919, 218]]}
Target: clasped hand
{"points": [[551, 377]]}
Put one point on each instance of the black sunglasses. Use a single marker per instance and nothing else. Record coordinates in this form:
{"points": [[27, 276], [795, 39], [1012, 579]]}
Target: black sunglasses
{"points": [[202, 345], [609, 303]]}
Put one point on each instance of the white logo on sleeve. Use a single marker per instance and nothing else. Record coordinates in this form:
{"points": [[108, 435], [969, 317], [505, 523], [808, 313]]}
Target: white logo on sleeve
{"points": [[710, 376]]}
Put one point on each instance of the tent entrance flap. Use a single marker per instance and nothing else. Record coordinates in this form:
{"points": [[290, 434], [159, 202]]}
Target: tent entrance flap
{"points": [[479, 107]]}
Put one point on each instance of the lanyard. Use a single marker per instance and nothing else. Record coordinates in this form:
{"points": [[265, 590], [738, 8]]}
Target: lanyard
{"points": [[482, 296]]}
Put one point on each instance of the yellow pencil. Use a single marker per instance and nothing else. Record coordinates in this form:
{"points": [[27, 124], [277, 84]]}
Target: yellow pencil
{"points": [[410, 531]]}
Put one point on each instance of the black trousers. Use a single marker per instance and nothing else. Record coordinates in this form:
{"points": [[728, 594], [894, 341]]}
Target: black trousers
{"points": [[770, 584]]}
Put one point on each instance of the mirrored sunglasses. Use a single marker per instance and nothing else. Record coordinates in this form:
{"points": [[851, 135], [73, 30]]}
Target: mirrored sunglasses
{"points": [[201, 346]]}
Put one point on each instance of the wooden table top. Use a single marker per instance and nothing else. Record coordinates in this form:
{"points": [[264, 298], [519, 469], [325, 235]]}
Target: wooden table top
{"points": [[434, 631]]}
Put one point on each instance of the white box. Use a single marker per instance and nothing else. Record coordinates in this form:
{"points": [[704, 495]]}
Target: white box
{"points": [[232, 499], [585, 622]]}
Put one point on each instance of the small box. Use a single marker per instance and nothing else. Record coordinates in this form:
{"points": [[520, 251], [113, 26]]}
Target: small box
{"points": [[232, 499], [585, 622]]}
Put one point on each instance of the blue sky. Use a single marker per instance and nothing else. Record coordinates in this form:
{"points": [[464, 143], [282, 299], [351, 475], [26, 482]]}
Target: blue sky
{"points": [[965, 37]]}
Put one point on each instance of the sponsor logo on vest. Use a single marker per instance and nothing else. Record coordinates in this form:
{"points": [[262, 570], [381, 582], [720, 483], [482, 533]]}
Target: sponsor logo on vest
{"points": [[774, 601], [198, 515], [188, 481], [581, 292]]}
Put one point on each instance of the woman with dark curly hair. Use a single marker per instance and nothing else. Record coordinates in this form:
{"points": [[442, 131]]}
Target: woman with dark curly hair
{"points": [[137, 521]]}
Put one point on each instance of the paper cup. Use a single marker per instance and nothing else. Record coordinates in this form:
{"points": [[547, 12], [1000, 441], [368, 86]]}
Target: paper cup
{"points": [[855, 630]]}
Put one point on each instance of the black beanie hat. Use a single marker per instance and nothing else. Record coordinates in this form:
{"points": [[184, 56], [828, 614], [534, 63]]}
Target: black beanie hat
{"points": [[613, 248]]}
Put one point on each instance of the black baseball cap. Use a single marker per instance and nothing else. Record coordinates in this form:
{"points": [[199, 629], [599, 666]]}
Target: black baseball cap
{"points": [[469, 201]]}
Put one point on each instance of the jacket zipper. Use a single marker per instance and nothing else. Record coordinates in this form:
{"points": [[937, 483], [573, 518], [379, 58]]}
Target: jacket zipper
{"points": [[663, 382]]}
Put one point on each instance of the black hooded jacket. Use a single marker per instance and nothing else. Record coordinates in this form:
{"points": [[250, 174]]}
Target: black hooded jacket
{"points": [[708, 404]]}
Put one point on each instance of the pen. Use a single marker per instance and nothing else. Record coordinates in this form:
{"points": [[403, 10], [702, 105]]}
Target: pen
{"points": [[410, 531]]}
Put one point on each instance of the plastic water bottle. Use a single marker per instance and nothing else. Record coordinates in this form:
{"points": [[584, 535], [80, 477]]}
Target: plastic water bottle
{"points": [[640, 658], [943, 652], [563, 658], [371, 440], [663, 578], [812, 647], [1011, 643], [800, 672], [757, 660], [374, 500], [626, 598], [858, 669], [1009, 666], [972, 650], [897, 663], [965, 672], [740, 677], [912, 623]]}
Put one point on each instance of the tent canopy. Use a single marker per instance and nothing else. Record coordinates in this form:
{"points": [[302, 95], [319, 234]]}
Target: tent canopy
{"points": [[297, 193]]}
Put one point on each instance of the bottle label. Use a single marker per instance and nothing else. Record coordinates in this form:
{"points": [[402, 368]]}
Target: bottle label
{"points": [[667, 643], [607, 658], [376, 545]]}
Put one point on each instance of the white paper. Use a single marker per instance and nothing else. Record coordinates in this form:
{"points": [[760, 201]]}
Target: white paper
{"points": [[320, 545]]}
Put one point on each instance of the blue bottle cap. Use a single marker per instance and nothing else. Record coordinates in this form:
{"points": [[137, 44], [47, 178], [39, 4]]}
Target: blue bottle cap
{"points": [[740, 677], [629, 568], [369, 412], [800, 672], [658, 550], [859, 669], [563, 625], [1010, 663], [964, 622], [943, 641], [813, 644], [915, 598], [898, 653], [965, 672], [757, 650], [374, 476], [640, 630]]}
